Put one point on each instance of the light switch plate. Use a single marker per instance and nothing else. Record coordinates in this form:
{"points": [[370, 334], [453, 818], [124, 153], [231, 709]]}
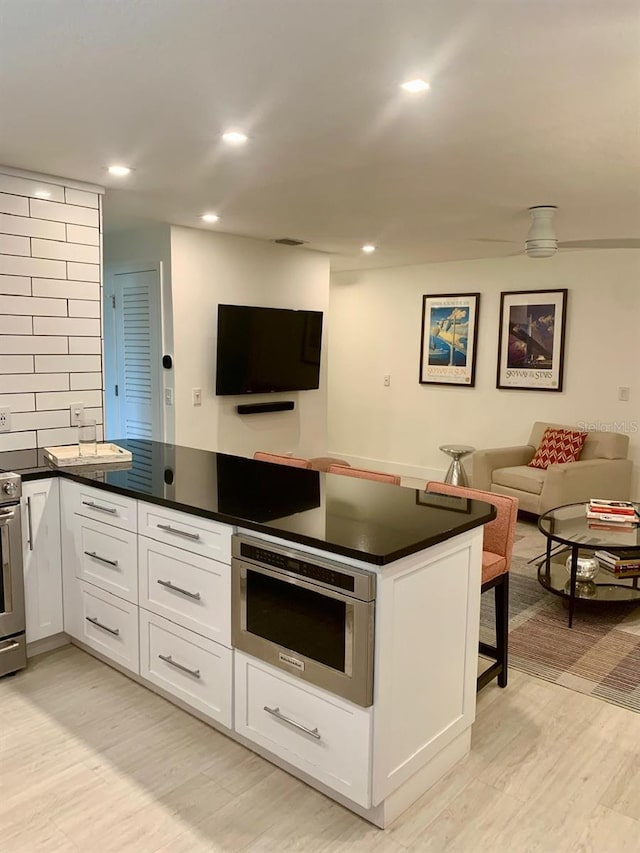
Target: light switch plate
{"points": [[77, 414]]}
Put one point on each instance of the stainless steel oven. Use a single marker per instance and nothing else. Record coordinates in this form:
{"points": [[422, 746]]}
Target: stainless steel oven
{"points": [[13, 655], [311, 617]]}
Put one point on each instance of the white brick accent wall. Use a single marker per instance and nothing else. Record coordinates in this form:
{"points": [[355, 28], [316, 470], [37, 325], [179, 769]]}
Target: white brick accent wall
{"points": [[50, 308]]}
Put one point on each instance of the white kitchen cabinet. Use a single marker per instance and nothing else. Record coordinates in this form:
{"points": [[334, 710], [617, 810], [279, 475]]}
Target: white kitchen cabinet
{"points": [[202, 536], [188, 589], [321, 734], [109, 625], [41, 558], [375, 760], [103, 505], [107, 557], [188, 666]]}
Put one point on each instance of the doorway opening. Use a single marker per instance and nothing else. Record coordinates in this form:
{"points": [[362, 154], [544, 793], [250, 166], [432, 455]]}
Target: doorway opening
{"points": [[134, 394]]}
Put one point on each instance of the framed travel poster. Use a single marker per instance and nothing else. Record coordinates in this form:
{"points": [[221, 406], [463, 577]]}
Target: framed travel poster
{"points": [[531, 339], [449, 337]]}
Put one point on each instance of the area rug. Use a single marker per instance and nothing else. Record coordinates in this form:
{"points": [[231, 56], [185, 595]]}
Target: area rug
{"points": [[599, 656]]}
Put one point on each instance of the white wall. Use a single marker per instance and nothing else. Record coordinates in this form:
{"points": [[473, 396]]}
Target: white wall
{"points": [[211, 268], [50, 318], [375, 329]]}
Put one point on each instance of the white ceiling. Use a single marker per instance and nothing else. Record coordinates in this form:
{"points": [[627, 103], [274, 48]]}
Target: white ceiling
{"points": [[532, 102]]}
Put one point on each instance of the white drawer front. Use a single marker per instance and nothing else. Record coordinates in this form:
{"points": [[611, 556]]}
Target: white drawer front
{"points": [[102, 505], [195, 670], [108, 558], [109, 625], [335, 749], [199, 535], [191, 590]]}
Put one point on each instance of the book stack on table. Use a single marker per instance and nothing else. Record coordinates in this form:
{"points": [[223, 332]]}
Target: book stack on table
{"points": [[624, 564], [611, 515]]}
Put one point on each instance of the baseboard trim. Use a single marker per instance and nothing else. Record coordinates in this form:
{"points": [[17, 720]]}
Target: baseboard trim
{"points": [[48, 644]]}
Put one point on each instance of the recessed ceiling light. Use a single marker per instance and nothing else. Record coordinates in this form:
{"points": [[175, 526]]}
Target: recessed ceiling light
{"points": [[415, 86], [119, 171], [235, 137], [42, 194], [210, 217], [368, 248]]}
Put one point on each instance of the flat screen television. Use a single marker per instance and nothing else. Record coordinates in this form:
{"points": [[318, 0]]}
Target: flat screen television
{"points": [[267, 349]]}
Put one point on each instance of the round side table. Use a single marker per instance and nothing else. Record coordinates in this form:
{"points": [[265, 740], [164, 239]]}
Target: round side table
{"points": [[456, 475]]}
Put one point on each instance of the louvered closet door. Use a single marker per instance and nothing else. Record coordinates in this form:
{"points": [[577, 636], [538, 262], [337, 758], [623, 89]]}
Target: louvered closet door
{"points": [[138, 354]]}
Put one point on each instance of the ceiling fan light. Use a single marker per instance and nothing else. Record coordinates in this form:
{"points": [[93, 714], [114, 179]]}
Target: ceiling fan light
{"points": [[541, 240], [541, 248]]}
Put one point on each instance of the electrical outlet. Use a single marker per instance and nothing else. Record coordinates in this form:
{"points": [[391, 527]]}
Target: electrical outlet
{"points": [[77, 414], [623, 394], [5, 419], [168, 396], [387, 380], [196, 396]]}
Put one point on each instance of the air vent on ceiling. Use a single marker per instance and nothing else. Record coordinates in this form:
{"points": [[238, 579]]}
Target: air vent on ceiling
{"points": [[289, 241]]}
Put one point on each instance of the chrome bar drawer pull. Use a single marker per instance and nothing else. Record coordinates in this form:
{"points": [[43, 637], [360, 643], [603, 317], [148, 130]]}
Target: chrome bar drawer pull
{"points": [[275, 712], [10, 646], [175, 588], [110, 509], [95, 556], [185, 533], [114, 631], [29, 526], [168, 659]]}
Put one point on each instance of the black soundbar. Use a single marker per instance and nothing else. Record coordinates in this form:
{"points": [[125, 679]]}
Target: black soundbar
{"points": [[258, 408]]}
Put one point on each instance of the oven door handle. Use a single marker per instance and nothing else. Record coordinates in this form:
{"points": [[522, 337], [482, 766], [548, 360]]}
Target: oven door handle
{"points": [[6, 515], [275, 712]]}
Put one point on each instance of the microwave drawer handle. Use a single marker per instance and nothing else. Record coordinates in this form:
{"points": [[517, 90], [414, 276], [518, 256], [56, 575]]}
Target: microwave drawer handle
{"points": [[110, 509], [168, 659], [169, 529], [100, 559], [114, 631], [275, 712], [175, 588]]}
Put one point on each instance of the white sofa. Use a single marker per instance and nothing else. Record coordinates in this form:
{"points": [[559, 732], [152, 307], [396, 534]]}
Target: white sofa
{"points": [[603, 471]]}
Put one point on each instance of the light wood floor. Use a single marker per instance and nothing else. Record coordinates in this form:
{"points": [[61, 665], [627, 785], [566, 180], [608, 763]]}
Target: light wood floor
{"points": [[91, 761]]}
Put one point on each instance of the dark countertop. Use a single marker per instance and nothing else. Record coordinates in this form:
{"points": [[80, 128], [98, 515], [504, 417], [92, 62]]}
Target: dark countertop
{"points": [[365, 520]]}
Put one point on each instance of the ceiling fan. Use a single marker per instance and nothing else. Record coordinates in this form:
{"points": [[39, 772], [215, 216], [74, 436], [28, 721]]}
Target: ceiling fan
{"points": [[542, 242]]}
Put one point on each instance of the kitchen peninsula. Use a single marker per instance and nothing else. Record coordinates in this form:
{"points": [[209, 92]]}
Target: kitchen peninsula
{"points": [[150, 586]]}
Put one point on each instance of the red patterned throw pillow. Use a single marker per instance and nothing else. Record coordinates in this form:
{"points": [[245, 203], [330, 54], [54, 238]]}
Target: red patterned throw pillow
{"points": [[558, 445]]}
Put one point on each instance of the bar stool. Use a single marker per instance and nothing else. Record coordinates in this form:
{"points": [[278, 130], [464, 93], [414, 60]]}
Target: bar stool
{"points": [[365, 474], [292, 461], [497, 549]]}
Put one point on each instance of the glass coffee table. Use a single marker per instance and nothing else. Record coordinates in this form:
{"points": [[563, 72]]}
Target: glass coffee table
{"points": [[568, 533]]}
